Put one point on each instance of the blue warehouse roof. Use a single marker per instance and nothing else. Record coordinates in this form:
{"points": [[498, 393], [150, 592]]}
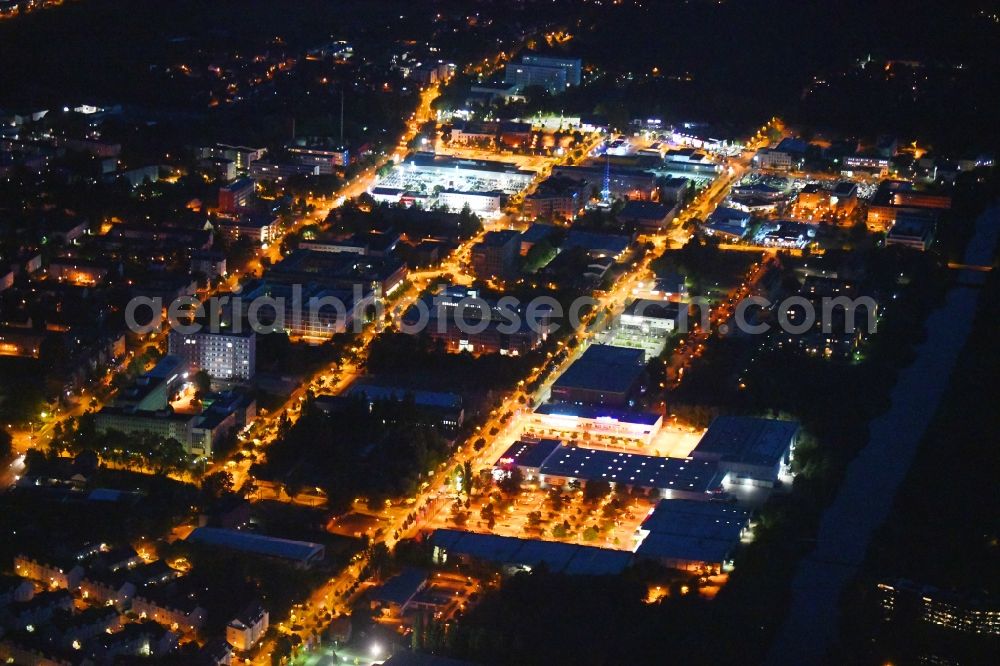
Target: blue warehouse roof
{"points": [[746, 439], [558, 557], [529, 454], [633, 469], [257, 544], [604, 368]]}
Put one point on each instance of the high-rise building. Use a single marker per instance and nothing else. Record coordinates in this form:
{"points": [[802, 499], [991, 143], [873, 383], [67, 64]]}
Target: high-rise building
{"points": [[223, 355]]}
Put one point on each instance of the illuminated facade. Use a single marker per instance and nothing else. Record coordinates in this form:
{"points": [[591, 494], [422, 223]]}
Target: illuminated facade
{"points": [[578, 421], [228, 356]]}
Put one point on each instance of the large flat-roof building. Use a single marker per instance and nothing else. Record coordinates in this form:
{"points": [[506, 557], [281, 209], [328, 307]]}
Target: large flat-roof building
{"points": [[496, 256], [423, 172], [669, 478], [749, 451], [623, 182], [684, 534], [603, 375], [302, 554], [527, 456], [573, 421], [515, 554], [899, 196]]}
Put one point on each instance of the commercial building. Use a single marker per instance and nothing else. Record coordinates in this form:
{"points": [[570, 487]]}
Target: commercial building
{"points": [[772, 158], [623, 183], [749, 451], [668, 478], [246, 629], [513, 554], [730, 224], [646, 317], [690, 160], [603, 375], [302, 554], [864, 162], [844, 197], [582, 421], [813, 197], [223, 355], [527, 456], [647, 216], [690, 535], [395, 596], [485, 204], [423, 172], [786, 234], [496, 256], [598, 245]]}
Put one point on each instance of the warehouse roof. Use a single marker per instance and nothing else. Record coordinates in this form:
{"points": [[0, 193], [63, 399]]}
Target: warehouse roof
{"points": [[653, 309], [671, 547], [746, 439], [633, 469], [692, 531], [401, 588], [529, 454], [604, 368], [558, 557], [598, 413], [710, 520], [258, 544]]}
